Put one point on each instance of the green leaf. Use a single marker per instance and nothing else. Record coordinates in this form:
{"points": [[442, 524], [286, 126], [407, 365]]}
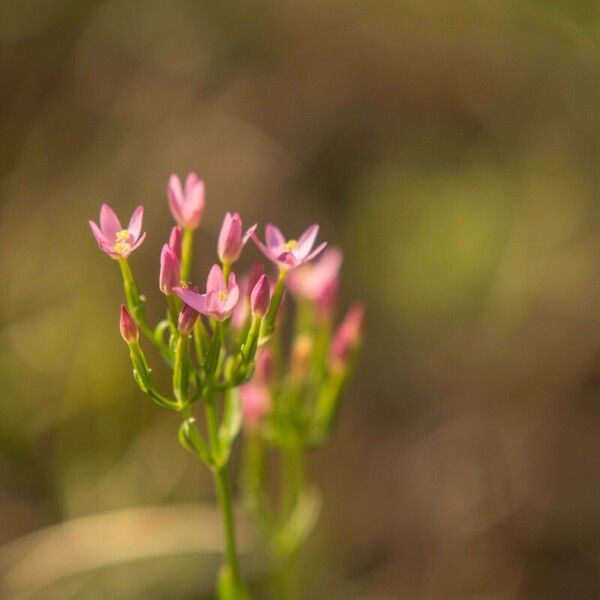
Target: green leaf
{"points": [[300, 523]]}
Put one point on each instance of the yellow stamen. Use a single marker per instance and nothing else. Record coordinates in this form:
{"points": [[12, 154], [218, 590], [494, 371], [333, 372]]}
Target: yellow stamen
{"points": [[222, 295], [123, 235], [290, 245]]}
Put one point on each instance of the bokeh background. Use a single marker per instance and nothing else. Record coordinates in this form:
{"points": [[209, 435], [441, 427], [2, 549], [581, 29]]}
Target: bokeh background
{"points": [[452, 150]]}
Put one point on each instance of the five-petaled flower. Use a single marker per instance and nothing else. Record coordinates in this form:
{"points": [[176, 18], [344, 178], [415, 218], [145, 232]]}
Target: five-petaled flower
{"points": [[220, 298], [291, 253], [112, 239], [186, 203]]}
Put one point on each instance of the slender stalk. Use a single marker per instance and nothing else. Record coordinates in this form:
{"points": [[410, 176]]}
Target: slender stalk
{"points": [[187, 243], [224, 494], [223, 486], [268, 324]]}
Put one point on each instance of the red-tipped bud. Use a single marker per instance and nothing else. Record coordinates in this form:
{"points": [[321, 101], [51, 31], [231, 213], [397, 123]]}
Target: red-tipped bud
{"points": [[347, 336], [260, 297], [169, 270], [187, 319], [129, 330], [175, 240]]}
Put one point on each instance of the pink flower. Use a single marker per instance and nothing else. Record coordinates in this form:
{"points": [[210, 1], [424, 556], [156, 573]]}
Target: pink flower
{"points": [[291, 253], [347, 336], [256, 404], [112, 239], [231, 241], [220, 298], [318, 281], [186, 204], [129, 330], [260, 296], [169, 270]]}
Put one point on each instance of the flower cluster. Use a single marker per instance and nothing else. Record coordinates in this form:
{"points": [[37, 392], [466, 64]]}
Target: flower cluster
{"points": [[226, 353]]}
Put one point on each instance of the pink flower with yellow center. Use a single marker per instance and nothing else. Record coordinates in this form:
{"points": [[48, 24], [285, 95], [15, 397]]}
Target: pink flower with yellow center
{"points": [[112, 239], [220, 298], [291, 253]]}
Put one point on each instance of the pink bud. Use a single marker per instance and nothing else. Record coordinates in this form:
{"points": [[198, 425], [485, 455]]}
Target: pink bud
{"points": [[347, 336], [261, 296], [231, 241], [169, 270], [129, 330], [186, 202], [175, 240], [187, 319]]}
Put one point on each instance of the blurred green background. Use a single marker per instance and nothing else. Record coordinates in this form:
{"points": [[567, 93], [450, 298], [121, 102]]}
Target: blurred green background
{"points": [[452, 150]]}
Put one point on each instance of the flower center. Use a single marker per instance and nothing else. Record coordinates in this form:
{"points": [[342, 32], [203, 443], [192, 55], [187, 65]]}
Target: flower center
{"points": [[290, 245], [222, 295], [122, 245]]}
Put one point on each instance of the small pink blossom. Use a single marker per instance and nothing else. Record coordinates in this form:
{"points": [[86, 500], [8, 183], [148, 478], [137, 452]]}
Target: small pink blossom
{"points": [[347, 336], [256, 404], [220, 298], [291, 253], [260, 296], [112, 239], [129, 330], [187, 203], [318, 281], [231, 241]]}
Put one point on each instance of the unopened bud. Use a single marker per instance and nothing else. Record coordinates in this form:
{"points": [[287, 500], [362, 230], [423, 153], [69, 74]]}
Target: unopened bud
{"points": [[129, 330], [187, 319], [261, 296]]}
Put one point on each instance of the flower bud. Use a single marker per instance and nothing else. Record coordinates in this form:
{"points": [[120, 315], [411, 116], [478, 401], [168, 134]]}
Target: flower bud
{"points": [[230, 238], [187, 319], [175, 240], [169, 270], [129, 330], [346, 337], [260, 297]]}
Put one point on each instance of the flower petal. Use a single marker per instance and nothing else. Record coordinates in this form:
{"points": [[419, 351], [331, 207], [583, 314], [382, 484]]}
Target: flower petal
{"points": [[248, 233], [215, 281], [233, 296], [191, 298], [100, 238], [306, 242], [109, 222], [135, 223], [266, 251], [273, 236], [315, 252]]}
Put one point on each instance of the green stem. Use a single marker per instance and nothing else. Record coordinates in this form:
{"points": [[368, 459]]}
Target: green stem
{"points": [[292, 476], [224, 494], [187, 243], [268, 324]]}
